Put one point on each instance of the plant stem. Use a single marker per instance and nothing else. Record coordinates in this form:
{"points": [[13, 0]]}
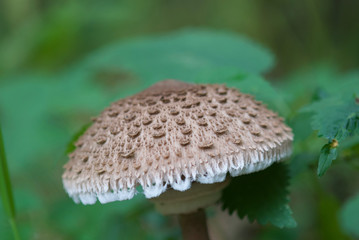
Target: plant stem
{"points": [[194, 225], [6, 190], [14, 229]]}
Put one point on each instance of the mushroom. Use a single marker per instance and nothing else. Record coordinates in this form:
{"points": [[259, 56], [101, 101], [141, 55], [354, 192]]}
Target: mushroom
{"points": [[181, 142]]}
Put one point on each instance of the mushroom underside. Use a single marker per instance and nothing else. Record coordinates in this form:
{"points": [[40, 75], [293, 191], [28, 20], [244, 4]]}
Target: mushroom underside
{"points": [[213, 171]]}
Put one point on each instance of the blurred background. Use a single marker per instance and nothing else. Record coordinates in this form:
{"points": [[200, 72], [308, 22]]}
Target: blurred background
{"points": [[62, 62]]}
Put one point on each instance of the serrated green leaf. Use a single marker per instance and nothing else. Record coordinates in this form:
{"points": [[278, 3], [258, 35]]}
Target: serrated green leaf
{"points": [[349, 216], [327, 155], [335, 118], [261, 196], [184, 55], [318, 81]]}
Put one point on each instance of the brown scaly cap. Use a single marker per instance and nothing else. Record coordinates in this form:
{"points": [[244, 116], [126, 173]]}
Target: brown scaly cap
{"points": [[170, 135]]}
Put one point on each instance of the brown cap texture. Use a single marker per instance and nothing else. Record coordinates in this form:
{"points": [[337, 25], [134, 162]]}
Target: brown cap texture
{"points": [[170, 135]]}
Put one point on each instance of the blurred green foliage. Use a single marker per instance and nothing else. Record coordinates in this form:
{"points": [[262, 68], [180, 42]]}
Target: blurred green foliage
{"points": [[61, 63], [350, 216]]}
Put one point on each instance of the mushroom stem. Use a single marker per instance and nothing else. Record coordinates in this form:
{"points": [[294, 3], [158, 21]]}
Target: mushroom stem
{"points": [[194, 225]]}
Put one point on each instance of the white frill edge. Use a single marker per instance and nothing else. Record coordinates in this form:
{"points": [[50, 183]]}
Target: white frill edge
{"points": [[210, 172]]}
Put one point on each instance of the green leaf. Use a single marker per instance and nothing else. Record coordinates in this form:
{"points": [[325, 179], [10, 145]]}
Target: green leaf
{"points": [[318, 81], [349, 216], [261, 196], [6, 189], [335, 118], [327, 155], [184, 55]]}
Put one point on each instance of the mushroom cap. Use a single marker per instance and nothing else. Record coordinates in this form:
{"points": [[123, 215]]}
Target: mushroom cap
{"points": [[170, 135]]}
